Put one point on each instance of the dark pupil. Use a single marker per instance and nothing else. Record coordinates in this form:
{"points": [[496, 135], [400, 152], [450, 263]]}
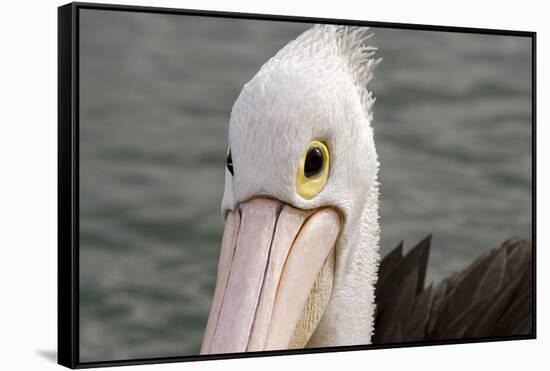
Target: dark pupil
{"points": [[314, 162], [229, 163]]}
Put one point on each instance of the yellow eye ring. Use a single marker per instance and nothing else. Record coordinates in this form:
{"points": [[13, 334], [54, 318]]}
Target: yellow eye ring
{"points": [[312, 173]]}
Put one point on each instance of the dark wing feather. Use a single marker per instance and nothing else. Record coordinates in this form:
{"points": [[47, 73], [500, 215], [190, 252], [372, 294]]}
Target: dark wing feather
{"points": [[399, 289], [491, 297], [518, 311], [417, 322]]}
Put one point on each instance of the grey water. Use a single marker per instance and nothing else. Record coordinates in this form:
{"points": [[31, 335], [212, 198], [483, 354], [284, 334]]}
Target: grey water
{"points": [[452, 128]]}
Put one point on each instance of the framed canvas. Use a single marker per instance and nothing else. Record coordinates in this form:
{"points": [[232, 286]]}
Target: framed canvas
{"points": [[237, 185]]}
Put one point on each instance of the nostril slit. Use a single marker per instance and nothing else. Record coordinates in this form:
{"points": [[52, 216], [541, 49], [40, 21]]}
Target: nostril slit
{"points": [[280, 207]]}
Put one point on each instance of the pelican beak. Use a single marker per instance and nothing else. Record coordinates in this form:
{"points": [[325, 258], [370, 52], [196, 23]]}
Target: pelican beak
{"points": [[271, 255]]}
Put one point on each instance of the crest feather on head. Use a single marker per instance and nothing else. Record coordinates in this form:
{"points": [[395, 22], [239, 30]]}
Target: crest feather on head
{"points": [[337, 47]]}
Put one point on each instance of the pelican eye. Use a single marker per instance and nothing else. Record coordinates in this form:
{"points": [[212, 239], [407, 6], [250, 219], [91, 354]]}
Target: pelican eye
{"points": [[229, 163], [313, 163], [312, 173]]}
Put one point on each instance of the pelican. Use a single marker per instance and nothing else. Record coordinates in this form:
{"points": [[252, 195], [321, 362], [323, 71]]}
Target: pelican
{"points": [[299, 259]]}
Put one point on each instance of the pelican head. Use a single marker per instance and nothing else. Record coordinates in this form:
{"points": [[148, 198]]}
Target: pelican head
{"points": [[299, 255]]}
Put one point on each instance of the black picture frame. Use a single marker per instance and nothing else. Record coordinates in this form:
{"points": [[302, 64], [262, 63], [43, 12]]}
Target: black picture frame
{"points": [[68, 178]]}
